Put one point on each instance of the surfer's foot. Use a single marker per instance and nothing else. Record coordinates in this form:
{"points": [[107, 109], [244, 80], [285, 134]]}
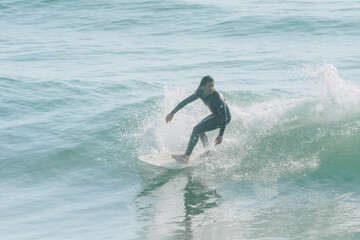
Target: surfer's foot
{"points": [[181, 157]]}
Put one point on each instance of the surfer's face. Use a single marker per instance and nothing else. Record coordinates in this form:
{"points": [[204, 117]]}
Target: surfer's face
{"points": [[209, 88]]}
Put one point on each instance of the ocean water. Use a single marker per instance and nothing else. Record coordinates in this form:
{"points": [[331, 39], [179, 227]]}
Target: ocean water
{"points": [[85, 87]]}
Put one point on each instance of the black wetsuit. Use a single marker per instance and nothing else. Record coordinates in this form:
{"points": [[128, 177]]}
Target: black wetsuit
{"points": [[219, 118]]}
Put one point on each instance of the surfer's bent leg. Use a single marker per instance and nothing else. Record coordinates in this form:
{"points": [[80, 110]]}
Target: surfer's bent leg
{"points": [[209, 123], [204, 139]]}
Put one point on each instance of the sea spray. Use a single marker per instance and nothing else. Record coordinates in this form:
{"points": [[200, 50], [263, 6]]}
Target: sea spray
{"points": [[265, 140]]}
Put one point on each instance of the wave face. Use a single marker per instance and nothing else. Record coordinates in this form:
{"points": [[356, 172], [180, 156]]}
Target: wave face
{"points": [[275, 137], [284, 156]]}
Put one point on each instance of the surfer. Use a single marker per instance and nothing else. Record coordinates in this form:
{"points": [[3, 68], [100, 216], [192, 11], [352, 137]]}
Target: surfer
{"points": [[220, 116]]}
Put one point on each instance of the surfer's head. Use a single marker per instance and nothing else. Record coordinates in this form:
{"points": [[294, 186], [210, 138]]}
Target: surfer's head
{"points": [[207, 83]]}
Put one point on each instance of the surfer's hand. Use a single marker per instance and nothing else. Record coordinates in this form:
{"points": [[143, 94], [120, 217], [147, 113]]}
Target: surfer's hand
{"points": [[218, 140], [169, 117]]}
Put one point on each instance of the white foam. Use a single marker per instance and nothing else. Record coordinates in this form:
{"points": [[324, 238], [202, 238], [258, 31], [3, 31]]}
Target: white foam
{"points": [[274, 136], [160, 136], [338, 92]]}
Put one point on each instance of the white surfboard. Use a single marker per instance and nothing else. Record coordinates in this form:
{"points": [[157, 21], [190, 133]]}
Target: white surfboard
{"points": [[165, 160]]}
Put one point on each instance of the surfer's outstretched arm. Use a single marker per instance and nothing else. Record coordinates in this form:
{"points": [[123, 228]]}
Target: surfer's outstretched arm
{"points": [[182, 104]]}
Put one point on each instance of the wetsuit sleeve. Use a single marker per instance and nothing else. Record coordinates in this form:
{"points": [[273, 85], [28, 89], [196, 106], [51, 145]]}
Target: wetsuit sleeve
{"points": [[184, 102], [221, 107]]}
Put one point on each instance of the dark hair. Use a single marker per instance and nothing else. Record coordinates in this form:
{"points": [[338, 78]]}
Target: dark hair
{"points": [[204, 81]]}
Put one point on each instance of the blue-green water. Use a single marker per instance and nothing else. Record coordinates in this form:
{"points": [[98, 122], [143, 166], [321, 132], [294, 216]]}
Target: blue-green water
{"points": [[85, 87]]}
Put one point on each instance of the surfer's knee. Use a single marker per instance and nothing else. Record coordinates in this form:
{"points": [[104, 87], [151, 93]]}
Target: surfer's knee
{"points": [[196, 130]]}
